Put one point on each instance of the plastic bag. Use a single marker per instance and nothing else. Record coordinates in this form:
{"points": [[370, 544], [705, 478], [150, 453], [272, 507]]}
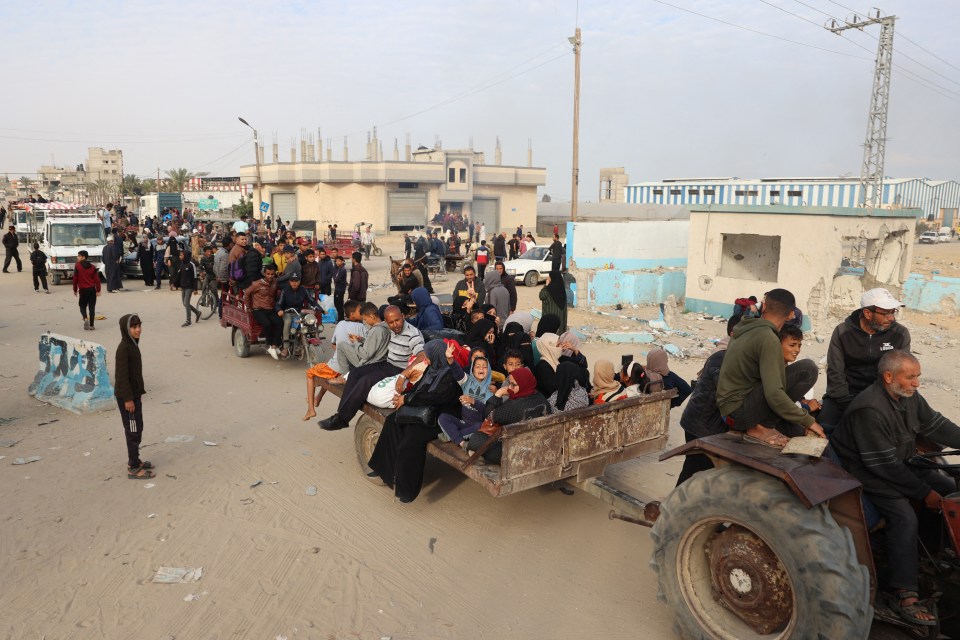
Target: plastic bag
{"points": [[381, 394]]}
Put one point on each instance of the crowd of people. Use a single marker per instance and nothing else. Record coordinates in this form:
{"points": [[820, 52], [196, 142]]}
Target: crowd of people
{"points": [[451, 375]]}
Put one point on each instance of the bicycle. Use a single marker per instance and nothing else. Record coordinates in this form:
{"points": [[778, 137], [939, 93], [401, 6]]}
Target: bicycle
{"points": [[208, 297]]}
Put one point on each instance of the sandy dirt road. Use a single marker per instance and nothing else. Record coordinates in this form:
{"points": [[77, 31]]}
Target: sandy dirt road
{"points": [[78, 545]]}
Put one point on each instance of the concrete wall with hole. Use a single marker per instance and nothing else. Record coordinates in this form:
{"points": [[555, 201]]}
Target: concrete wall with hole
{"points": [[627, 262], [738, 251]]}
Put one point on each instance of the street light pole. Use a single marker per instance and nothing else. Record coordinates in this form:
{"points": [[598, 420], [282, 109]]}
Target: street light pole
{"points": [[575, 178], [256, 155]]}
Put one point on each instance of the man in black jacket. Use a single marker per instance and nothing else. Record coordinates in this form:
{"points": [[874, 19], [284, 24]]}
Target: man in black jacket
{"points": [[10, 243], [252, 265], [855, 349], [556, 254], [876, 437], [468, 288], [128, 389], [326, 271], [359, 279]]}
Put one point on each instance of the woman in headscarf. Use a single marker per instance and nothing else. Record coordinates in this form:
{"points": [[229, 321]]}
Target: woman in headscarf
{"points": [[428, 313], [657, 363], [518, 400], [401, 450], [524, 319], [548, 324], [570, 394], [483, 335], [639, 381], [146, 254], [546, 369], [554, 299], [476, 392], [515, 337], [570, 347], [605, 387]]}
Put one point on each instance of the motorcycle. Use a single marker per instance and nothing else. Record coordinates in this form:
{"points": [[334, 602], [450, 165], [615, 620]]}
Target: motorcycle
{"points": [[305, 340]]}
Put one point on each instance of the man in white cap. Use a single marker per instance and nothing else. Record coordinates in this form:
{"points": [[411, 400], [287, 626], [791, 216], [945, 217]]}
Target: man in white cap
{"points": [[856, 347]]}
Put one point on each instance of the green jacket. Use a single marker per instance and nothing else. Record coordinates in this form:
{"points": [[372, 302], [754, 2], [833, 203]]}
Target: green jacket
{"points": [[550, 306], [755, 357]]}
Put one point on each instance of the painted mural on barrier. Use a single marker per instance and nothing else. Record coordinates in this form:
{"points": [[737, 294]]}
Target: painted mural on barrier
{"points": [[72, 374]]}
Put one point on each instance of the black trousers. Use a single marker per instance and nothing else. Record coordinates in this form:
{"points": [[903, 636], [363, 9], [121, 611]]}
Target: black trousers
{"points": [[338, 304], [272, 325], [88, 303], [359, 383], [325, 289], [133, 430], [801, 376], [903, 560], [38, 279], [400, 455], [830, 414], [693, 463], [12, 254]]}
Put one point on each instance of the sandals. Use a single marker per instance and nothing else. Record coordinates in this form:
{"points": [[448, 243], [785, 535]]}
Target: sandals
{"points": [[909, 612], [778, 441], [139, 474]]}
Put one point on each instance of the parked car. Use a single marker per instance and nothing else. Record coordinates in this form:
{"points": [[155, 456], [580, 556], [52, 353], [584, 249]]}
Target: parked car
{"points": [[531, 267], [928, 237], [944, 235]]}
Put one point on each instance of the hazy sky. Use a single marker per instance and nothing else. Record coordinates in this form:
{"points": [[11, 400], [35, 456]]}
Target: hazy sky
{"points": [[664, 93]]}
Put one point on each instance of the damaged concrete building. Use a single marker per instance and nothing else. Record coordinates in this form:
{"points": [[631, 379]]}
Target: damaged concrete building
{"points": [[827, 256]]}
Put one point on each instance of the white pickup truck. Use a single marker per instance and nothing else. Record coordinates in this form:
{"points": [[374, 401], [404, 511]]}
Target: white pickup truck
{"points": [[65, 233]]}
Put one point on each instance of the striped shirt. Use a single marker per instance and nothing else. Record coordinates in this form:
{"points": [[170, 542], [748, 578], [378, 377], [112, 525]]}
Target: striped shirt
{"points": [[409, 342]]}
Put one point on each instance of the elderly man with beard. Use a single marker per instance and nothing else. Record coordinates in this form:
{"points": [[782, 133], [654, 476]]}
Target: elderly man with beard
{"points": [[876, 437]]}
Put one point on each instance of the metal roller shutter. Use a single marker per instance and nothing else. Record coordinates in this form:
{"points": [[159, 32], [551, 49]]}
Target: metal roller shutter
{"points": [[484, 211], [407, 210], [284, 206]]}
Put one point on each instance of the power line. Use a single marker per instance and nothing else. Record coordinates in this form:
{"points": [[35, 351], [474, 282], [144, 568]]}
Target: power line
{"points": [[120, 135], [810, 6], [110, 142], [928, 52], [761, 33], [229, 153], [933, 86]]}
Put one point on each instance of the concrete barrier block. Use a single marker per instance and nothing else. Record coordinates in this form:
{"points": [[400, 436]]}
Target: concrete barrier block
{"points": [[72, 374]]}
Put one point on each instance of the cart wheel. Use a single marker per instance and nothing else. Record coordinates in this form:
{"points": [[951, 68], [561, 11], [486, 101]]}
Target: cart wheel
{"points": [[240, 343], [365, 436], [377, 251], [531, 279], [56, 279]]}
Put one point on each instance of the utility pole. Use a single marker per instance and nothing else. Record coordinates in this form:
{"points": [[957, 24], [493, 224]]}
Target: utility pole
{"points": [[874, 146], [575, 178], [256, 154]]}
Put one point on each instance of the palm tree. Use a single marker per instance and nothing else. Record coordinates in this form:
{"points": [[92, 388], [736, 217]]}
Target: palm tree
{"points": [[133, 187], [100, 189], [177, 180], [148, 186], [25, 184]]}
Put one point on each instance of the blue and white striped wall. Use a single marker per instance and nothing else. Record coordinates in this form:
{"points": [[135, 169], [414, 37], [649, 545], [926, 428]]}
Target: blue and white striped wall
{"points": [[929, 196]]}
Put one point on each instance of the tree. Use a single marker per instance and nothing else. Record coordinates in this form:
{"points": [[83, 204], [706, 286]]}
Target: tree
{"points": [[177, 180], [132, 186], [149, 186], [25, 184], [245, 207], [100, 190]]}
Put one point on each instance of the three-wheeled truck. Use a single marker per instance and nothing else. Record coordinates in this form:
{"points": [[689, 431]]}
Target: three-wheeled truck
{"points": [[768, 545]]}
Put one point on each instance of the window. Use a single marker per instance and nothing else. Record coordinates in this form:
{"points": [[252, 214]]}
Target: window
{"points": [[774, 194], [658, 192], [709, 192], [408, 185], [676, 192], [753, 192], [739, 192], [451, 175], [693, 192], [463, 176], [747, 256], [796, 194]]}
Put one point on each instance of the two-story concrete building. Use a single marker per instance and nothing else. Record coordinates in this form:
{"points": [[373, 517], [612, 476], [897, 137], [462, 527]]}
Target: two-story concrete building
{"points": [[400, 194]]}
